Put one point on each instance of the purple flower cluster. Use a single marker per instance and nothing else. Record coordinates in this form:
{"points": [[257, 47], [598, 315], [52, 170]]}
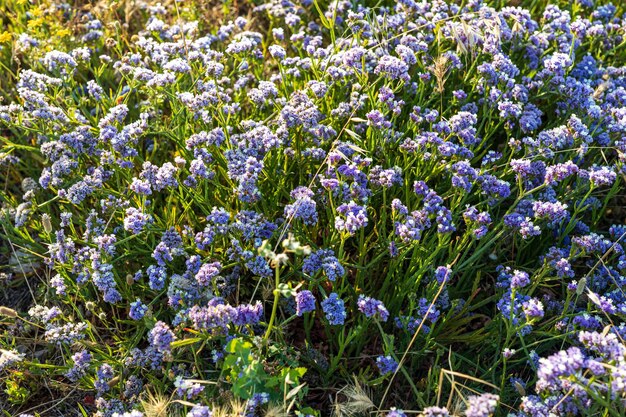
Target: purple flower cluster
{"points": [[217, 316], [353, 217], [207, 273], [304, 207], [135, 220], [305, 302], [161, 337], [386, 364], [334, 309], [187, 389], [199, 411], [82, 360], [323, 260], [372, 308], [481, 405], [460, 160], [137, 310]]}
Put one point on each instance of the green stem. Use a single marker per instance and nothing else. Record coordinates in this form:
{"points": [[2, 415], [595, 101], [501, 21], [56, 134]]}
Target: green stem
{"points": [[275, 306]]}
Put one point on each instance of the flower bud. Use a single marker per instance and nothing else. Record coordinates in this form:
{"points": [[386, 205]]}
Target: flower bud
{"points": [[45, 221], [6, 311]]}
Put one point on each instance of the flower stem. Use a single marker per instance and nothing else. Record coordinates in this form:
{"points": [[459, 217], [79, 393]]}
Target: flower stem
{"points": [[275, 306]]}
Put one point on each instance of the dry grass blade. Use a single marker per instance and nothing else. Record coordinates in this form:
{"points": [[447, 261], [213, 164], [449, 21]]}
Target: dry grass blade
{"points": [[358, 401], [155, 404], [276, 410], [439, 69]]}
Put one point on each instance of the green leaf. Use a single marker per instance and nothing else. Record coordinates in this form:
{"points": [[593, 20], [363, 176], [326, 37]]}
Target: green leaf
{"points": [[186, 342]]}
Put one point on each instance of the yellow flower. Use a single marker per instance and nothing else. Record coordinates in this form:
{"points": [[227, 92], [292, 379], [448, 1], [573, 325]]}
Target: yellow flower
{"points": [[5, 37], [37, 12], [35, 23], [62, 33]]}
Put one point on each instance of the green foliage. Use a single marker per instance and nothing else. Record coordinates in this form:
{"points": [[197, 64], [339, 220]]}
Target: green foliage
{"points": [[16, 387], [248, 375]]}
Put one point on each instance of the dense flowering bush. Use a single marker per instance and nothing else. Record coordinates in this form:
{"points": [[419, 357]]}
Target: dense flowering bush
{"points": [[235, 211]]}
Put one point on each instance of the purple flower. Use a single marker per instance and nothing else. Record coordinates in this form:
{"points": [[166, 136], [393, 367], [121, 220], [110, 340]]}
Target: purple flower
{"points": [[564, 268], [304, 207], [464, 175], [323, 260], [137, 310], [560, 365], [248, 314], [392, 68], [207, 273], [187, 389], [399, 208], [459, 94], [444, 221], [162, 254], [386, 364], [412, 227], [252, 226], [519, 279], [528, 229], [533, 309], [353, 56], [115, 115], [377, 120], [104, 375], [334, 309], [530, 120], [199, 411], [600, 176], [136, 220], [493, 187], [177, 65], [65, 334], [277, 51], [156, 277], [43, 313], [133, 413], [481, 405], [463, 124], [305, 302], [371, 307], [106, 243], [508, 353], [259, 266], [161, 337], [94, 90], [436, 412], [557, 63], [385, 177], [393, 249], [554, 212], [216, 316], [513, 220], [58, 284], [354, 218], [443, 274], [82, 360], [169, 246], [266, 91], [394, 412], [480, 232], [609, 345], [54, 60], [255, 402]]}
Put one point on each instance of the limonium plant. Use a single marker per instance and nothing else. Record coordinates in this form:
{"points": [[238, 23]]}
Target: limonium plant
{"points": [[309, 207]]}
